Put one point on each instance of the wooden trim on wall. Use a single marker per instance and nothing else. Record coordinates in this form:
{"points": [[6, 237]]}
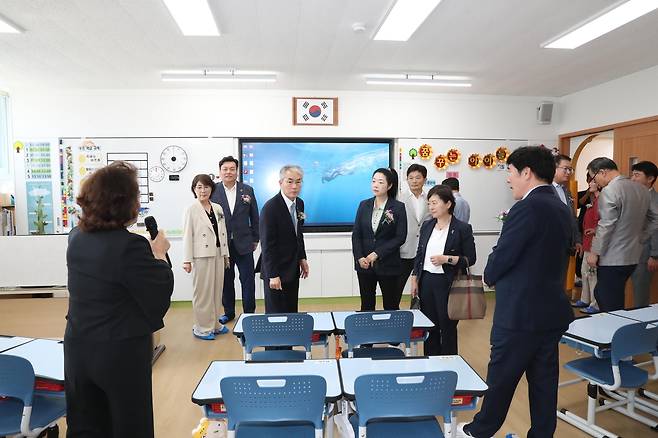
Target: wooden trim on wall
{"points": [[608, 127]]}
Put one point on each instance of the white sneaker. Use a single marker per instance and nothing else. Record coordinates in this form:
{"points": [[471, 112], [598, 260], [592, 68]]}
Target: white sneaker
{"points": [[460, 431]]}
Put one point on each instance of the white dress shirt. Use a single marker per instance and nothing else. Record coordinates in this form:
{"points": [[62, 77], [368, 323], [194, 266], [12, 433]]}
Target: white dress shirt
{"points": [[435, 246], [230, 195], [376, 215], [418, 203], [560, 192], [289, 203]]}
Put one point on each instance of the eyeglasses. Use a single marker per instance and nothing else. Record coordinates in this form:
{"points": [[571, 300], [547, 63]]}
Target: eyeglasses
{"points": [[566, 169]]}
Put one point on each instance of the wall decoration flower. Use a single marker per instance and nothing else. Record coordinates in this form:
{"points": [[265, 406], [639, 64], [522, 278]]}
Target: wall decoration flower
{"points": [[474, 161], [425, 152], [489, 161], [502, 153], [453, 155], [441, 162]]}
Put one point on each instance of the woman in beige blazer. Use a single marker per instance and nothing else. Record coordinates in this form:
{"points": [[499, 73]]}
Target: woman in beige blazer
{"points": [[206, 250]]}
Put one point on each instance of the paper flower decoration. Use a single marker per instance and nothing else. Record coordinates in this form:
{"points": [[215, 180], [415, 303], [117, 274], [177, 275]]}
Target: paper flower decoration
{"points": [[502, 153], [441, 162], [453, 155], [474, 161], [425, 152], [489, 161]]}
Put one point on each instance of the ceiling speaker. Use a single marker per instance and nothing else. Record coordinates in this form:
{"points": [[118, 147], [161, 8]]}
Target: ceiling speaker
{"points": [[545, 113]]}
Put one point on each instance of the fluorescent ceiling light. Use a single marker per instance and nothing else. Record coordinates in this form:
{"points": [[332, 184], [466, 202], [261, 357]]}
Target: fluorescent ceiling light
{"points": [[418, 79], [606, 22], [217, 76], [193, 17], [404, 18], [7, 27]]}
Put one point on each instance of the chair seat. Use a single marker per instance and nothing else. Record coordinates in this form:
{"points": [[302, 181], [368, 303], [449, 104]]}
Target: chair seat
{"points": [[45, 410], [269, 430], [600, 371], [278, 355], [424, 427], [376, 352]]}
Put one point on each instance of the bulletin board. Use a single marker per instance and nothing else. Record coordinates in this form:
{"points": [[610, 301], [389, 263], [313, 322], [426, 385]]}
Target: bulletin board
{"points": [[166, 167]]}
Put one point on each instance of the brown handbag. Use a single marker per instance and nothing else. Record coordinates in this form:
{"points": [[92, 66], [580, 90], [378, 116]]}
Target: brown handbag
{"points": [[466, 297]]}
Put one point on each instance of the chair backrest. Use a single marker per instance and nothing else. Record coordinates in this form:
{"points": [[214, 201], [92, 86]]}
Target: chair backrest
{"points": [[277, 330], [404, 395], [633, 339], [16, 378], [274, 399], [379, 327]]}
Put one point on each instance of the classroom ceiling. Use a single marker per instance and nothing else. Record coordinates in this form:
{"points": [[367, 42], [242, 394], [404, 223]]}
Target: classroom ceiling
{"points": [[310, 43]]}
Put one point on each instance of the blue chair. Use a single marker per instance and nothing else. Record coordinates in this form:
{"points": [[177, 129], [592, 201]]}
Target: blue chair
{"points": [[613, 373], [377, 328], [403, 405], [278, 330], [281, 406], [23, 413]]}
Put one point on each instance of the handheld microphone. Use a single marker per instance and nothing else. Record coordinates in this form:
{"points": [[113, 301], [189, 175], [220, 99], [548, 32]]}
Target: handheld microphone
{"points": [[152, 227]]}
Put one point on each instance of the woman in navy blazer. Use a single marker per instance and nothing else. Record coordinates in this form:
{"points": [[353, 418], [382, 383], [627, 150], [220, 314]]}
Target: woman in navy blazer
{"points": [[380, 228], [445, 245]]}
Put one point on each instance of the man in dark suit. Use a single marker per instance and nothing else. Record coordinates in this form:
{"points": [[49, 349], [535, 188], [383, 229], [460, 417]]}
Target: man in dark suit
{"points": [[528, 267], [283, 256], [241, 210]]}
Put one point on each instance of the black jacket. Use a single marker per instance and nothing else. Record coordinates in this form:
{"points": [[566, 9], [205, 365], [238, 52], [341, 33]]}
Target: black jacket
{"points": [[242, 224], [528, 265], [117, 289], [281, 248], [385, 241], [459, 243]]}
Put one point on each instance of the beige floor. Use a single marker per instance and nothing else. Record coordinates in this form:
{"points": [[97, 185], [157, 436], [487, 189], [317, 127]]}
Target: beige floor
{"points": [[178, 370]]}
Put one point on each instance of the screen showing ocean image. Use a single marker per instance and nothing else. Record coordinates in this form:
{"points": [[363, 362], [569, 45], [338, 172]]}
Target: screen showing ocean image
{"points": [[337, 175]]}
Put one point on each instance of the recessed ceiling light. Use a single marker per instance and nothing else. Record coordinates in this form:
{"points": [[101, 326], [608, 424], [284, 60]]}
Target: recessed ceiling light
{"points": [[605, 22], [7, 26], [404, 18], [193, 17]]}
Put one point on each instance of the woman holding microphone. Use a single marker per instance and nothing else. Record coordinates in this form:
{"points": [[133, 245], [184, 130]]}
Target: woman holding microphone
{"points": [[206, 256], [445, 245]]}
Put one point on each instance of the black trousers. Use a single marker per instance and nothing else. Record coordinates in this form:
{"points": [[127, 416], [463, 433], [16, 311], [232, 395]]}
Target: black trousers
{"points": [[281, 301], [245, 263], [442, 339], [514, 353], [389, 285], [407, 267], [610, 285], [108, 388]]}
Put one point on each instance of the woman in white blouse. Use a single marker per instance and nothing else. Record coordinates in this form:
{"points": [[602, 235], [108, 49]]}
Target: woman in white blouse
{"points": [[206, 250], [445, 245]]}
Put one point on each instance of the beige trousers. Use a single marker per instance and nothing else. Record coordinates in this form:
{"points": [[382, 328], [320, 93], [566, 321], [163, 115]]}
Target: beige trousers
{"points": [[208, 282]]}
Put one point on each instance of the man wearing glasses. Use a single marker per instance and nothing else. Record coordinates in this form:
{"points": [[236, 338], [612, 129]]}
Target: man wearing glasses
{"points": [[627, 220], [563, 172]]}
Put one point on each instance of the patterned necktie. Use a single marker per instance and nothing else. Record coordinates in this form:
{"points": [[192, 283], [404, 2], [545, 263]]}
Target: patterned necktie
{"points": [[293, 216]]}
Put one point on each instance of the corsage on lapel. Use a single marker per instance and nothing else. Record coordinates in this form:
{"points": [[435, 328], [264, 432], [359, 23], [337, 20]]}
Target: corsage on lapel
{"points": [[301, 216], [246, 199], [388, 217]]}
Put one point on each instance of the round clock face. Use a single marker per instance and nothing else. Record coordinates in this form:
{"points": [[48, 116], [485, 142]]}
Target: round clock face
{"points": [[156, 173], [173, 158]]}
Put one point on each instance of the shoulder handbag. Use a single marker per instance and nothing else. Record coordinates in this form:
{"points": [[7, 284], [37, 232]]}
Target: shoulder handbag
{"points": [[466, 297]]}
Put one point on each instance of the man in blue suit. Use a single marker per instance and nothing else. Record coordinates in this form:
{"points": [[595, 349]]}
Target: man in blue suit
{"points": [[241, 211], [528, 267]]}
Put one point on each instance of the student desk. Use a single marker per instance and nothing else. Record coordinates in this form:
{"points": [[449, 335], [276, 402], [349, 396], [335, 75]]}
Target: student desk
{"points": [[209, 396], [8, 342], [421, 323], [47, 359], [593, 334], [641, 314], [323, 326], [470, 385]]}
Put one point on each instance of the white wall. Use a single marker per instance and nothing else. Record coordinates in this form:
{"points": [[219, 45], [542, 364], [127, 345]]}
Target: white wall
{"points": [[601, 146], [631, 97], [115, 113]]}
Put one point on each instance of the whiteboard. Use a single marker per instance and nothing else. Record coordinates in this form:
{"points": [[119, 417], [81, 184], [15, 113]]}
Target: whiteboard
{"points": [[485, 190], [166, 200]]}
